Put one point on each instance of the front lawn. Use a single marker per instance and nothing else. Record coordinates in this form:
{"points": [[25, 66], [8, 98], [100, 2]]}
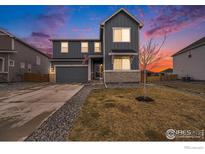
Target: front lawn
{"points": [[192, 87], [115, 115]]}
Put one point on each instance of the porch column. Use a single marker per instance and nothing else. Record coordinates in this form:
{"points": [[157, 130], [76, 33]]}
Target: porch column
{"points": [[89, 69]]}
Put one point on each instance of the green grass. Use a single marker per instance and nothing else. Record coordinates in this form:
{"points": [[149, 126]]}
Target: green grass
{"points": [[115, 115]]}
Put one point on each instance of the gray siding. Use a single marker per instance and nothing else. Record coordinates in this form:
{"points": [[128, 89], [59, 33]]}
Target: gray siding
{"points": [[74, 49], [5, 42], [121, 20], [28, 56]]}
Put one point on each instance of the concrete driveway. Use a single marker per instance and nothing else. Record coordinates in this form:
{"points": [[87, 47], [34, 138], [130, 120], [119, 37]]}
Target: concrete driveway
{"points": [[22, 110]]}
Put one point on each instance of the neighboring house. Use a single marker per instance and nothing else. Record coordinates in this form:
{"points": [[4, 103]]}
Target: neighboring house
{"points": [[190, 61], [113, 57], [167, 71], [18, 57]]}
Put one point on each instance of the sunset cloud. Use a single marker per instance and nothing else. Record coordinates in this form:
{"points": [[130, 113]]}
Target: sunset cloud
{"points": [[174, 18], [47, 26]]}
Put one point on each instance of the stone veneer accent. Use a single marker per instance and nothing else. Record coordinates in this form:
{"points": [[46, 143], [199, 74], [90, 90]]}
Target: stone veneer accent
{"points": [[122, 76]]}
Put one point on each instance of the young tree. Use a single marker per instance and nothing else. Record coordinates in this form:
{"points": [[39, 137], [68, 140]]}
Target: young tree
{"points": [[149, 55]]}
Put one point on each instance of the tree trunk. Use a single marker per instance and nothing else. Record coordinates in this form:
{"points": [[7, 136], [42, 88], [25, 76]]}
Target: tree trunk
{"points": [[144, 84]]}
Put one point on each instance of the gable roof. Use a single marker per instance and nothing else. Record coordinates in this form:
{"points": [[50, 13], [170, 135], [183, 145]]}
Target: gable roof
{"points": [[125, 11], [195, 44], [23, 42]]}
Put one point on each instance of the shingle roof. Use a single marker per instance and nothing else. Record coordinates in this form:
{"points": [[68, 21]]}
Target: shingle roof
{"points": [[196, 44], [23, 42]]}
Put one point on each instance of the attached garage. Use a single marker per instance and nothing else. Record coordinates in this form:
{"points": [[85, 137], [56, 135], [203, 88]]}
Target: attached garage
{"points": [[71, 74]]}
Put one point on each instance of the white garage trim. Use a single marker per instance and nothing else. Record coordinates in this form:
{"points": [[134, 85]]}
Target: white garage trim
{"points": [[70, 66]]}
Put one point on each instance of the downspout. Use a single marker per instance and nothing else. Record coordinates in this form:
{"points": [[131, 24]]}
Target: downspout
{"points": [[12, 48], [104, 57], [139, 53], [8, 76]]}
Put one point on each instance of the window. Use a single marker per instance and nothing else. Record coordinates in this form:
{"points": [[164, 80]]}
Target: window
{"points": [[97, 47], [11, 63], [84, 47], [64, 47], [121, 34], [22, 65], [1, 64], [121, 63], [29, 67], [38, 60]]}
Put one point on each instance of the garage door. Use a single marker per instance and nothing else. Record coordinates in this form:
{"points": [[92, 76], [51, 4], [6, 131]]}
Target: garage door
{"points": [[77, 74]]}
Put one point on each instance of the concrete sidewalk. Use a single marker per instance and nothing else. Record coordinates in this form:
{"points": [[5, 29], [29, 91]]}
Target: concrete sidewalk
{"points": [[22, 111]]}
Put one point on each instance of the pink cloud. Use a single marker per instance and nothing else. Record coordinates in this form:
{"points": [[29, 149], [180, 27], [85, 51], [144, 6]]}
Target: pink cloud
{"points": [[174, 18], [47, 26], [81, 29]]}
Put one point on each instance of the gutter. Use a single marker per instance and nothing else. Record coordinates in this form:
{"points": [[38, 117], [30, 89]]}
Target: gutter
{"points": [[104, 57]]}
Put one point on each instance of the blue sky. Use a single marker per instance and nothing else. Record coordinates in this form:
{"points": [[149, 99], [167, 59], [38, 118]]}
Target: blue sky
{"points": [[38, 24]]}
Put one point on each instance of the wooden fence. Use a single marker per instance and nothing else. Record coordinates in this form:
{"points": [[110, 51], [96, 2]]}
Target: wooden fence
{"points": [[34, 77], [167, 77]]}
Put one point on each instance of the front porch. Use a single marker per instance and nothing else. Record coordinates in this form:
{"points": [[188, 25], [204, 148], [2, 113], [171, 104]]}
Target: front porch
{"points": [[95, 68]]}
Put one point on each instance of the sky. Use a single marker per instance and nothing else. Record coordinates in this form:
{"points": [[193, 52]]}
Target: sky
{"points": [[37, 24]]}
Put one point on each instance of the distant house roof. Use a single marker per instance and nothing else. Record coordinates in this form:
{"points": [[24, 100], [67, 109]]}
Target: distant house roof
{"points": [[168, 70], [125, 11], [196, 44], [23, 42]]}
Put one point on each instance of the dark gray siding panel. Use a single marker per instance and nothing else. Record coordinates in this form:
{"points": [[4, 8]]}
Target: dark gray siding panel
{"points": [[121, 20], [71, 74], [74, 49]]}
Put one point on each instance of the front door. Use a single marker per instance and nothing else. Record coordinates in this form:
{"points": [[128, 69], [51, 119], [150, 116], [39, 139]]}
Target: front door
{"points": [[98, 70]]}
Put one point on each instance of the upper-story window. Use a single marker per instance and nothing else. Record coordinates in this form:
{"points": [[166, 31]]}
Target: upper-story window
{"points": [[97, 47], [38, 60], [84, 47], [64, 47], [121, 34]]}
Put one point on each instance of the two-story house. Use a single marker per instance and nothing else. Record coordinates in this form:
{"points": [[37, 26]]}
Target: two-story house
{"points": [[113, 57], [18, 57]]}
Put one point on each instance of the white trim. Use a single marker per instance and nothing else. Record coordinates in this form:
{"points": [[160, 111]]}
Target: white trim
{"points": [[70, 66], [12, 43], [123, 54], [8, 68], [7, 33], [8, 51], [127, 71], [89, 69], [122, 9], [11, 60], [104, 57], [38, 60], [3, 60], [113, 28]]}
